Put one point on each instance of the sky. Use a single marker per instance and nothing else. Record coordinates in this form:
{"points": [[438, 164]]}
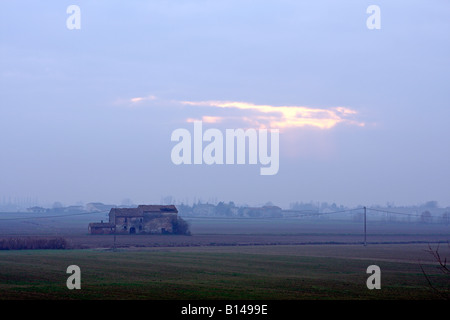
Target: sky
{"points": [[363, 114]]}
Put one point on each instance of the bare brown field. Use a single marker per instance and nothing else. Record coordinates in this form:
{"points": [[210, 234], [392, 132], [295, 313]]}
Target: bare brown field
{"points": [[228, 232], [295, 272], [227, 259], [413, 253], [84, 241]]}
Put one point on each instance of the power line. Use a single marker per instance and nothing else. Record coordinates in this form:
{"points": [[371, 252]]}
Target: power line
{"points": [[49, 217], [323, 213], [312, 214], [393, 212]]}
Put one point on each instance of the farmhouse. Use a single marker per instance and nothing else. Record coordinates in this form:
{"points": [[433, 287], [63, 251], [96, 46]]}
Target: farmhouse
{"points": [[263, 212], [143, 219], [37, 209]]}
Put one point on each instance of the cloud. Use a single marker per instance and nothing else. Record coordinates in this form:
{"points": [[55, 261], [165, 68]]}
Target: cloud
{"points": [[206, 119], [268, 116], [258, 115], [140, 99], [134, 102]]}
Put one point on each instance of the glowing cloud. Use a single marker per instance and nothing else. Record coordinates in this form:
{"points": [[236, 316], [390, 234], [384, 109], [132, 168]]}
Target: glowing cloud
{"points": [[284, 116], [140, 99], [206, 119], [262, 116]]}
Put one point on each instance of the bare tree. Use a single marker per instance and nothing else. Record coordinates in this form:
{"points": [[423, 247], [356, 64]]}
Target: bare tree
{"points": [[446, 218], [425, 217], [443, 268]]}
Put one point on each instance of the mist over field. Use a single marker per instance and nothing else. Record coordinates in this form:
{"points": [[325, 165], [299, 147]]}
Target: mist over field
{"points": [[328, 223]]}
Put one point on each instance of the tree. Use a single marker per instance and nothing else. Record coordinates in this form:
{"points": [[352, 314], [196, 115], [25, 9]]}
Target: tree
{"points": [[446, 218], [431, 204], [127, 202], [57, 205], [167, 200], [443, 290], [181, 227], [425, 217]]}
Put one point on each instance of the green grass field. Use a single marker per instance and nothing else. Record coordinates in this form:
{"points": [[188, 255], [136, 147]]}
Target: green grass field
{"points": [[265, 272]]}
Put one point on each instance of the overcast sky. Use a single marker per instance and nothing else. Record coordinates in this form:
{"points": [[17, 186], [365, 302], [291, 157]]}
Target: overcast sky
{"points": [[87, 115]]}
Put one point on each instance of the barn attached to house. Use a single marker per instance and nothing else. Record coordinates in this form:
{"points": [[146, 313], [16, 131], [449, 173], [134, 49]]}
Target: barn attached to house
{"points": [[101, 228], [151, 219]]}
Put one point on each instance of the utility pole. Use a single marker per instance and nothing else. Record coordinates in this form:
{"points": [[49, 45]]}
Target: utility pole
{"points": [[365, 227], [114, 246]]}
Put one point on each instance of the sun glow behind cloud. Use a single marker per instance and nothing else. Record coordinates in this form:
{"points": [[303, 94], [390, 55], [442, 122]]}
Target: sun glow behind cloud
{"points": [[206, 119], [140, 99], [268, 116], [258, 115]]}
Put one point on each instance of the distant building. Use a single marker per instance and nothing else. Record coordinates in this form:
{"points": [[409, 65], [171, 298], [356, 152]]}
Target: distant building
{"points": [[74, 209], [143, 219], [37, 210], [204, 210], [263, 212], [98, 207], [101, 228]]}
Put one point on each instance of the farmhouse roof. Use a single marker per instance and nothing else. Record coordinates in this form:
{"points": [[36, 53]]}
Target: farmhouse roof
{"points": [[140, 210], [126, 212], [157, 208]]}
